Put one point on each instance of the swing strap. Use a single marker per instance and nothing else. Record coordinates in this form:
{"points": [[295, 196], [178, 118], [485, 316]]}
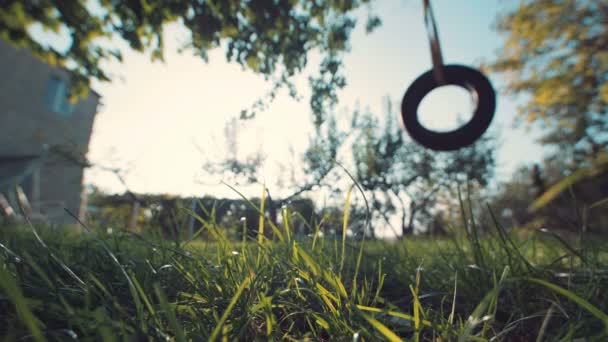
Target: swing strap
{"points": [[431, 30]]}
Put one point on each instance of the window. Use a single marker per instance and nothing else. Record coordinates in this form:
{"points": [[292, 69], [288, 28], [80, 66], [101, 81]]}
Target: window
{"points": [[56, 97]]}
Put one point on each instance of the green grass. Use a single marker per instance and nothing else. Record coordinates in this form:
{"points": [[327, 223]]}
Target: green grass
{"points": [[526, 287]]}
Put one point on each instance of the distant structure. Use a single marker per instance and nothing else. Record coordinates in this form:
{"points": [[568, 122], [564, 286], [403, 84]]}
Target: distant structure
{"points": [[43, 139]]}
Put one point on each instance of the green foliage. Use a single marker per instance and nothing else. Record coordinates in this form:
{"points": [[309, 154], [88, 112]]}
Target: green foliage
{"points": [[556, 53], [322, 152], [234, 167], [403, 177], [135, 288], [272, 38], [556, 195]]}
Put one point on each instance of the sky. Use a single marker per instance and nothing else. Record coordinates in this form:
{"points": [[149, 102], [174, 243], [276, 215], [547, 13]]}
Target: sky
{"points": [[160, 122]]}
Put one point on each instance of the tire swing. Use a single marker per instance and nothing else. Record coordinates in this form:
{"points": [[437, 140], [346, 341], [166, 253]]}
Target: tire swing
{"points": [[469, 78]]}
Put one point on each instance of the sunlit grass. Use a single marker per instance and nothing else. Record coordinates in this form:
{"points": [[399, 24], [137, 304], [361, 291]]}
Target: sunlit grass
{"points": [[468, 287]]}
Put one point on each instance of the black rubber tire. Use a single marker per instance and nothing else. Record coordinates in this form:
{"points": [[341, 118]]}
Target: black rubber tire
{"points": [[459, 75]]}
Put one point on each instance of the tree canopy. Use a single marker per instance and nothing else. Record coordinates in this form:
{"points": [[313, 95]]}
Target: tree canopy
{"points": [[556, 54], [269, 37]]}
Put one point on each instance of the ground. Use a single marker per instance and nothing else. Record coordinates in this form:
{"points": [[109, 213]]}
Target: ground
{"points": [[518, 286]]}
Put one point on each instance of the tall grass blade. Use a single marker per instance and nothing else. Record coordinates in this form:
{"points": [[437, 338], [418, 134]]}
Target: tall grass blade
{"points": [[598, 203], [416, 313], [557, 189], [309, 261], [470, 231], [14, 294], [262, 217], [147, 302], [170, 313], [388, 333], [506, 241], [261, 213], [477, 316], [132, 289], [545, 324], [565, 244], [287, 226], [451, 317], [344, 228], [51, 254], [407, 317], [235, 298], [575, 298], [367, 225]]}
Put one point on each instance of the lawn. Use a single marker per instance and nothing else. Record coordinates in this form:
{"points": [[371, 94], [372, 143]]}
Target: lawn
{"points": [[61, 285]]}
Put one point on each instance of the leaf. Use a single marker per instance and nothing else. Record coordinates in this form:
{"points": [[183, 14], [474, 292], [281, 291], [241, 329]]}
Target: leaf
{"points": [[253, 62]]}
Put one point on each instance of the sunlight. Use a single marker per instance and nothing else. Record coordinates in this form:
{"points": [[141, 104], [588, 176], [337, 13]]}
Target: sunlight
{"points": [[446, 108]]}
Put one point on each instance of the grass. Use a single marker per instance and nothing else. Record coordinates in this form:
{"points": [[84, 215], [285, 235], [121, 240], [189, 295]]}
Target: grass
{"points": [[519, 287]]}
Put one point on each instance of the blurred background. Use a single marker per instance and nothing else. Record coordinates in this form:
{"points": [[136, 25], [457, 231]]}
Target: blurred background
{"points": [[126, 113]]}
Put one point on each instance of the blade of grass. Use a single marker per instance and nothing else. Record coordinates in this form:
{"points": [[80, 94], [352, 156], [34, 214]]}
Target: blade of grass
{"points": [[451, 317], [565, 244], [598, 203], [252, 205], [235, 298], [170, 313], [545, 324], [600, 165], [388, 333], [573, 297], [63, 265], [14, 294], [394, 314], [476, 317], [309, 261], [367, 225], [147, 302], [478, 249], [132, 290], [506, 239], [344, 228], [38, 270], [416, 313], [285, 214], [262, 217]]}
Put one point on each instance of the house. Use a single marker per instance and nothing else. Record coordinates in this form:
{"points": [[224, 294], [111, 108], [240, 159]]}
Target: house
{"points": [[43, 138]]}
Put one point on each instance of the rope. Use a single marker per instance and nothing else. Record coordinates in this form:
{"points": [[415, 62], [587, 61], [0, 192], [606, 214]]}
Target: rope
{"points": [[431, 30]]}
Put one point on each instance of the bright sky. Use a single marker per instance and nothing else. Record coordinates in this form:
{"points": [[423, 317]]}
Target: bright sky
{"points": [[161, 122]]}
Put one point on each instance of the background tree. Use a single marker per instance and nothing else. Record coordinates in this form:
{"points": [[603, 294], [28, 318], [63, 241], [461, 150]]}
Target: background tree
{"points": [[406, 179], [235, 167], [555, 53], [272, 38]]}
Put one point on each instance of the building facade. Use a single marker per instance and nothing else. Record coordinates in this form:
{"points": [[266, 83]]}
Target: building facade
{"points": [[43, 137]]}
